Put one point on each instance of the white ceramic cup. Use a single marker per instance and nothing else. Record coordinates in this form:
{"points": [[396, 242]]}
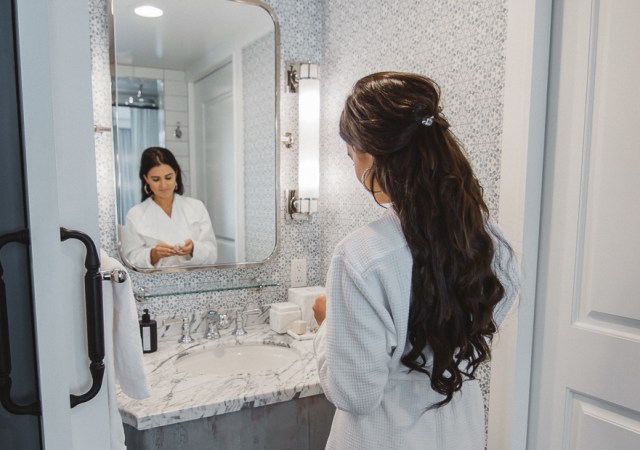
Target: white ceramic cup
{"points": [[299, 326]]}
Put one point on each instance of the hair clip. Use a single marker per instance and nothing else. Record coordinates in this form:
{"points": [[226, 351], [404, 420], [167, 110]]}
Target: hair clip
{"points": [[427, 121]]}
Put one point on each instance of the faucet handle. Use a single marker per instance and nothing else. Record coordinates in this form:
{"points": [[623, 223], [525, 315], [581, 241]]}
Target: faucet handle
{"points": [[213, 319], [186, 331], [239, 331], [186, 328], [240, 318]]}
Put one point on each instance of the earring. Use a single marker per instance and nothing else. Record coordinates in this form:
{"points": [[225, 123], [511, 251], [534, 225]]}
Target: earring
{"points": [[363, 178], [176, 188], [146, 189]]}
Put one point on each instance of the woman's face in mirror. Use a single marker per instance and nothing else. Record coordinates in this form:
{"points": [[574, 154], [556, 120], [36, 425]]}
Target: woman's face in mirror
{"points": [[162, 181]]}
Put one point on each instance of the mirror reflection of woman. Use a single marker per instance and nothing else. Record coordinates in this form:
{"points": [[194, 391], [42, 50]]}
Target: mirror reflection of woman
{"points": [[167, 229]]}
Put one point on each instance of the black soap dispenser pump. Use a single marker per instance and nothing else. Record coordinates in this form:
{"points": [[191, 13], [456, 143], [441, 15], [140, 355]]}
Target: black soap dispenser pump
{"points": [[148, 333]]}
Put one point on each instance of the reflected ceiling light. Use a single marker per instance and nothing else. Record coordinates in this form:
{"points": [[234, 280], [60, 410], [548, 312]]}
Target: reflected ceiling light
{"points": [[148, 11]]}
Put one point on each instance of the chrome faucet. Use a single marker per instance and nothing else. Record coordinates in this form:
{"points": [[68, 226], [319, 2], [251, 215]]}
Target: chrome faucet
{"points": [[240, 331], [213, 321]]}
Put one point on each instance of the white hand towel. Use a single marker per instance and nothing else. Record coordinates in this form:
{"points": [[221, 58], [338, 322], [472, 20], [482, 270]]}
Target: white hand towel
{"points": [[123, 348]]}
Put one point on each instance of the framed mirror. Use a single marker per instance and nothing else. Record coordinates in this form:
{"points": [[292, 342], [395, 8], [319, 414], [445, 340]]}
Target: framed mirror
{"points": [[199, 79]]}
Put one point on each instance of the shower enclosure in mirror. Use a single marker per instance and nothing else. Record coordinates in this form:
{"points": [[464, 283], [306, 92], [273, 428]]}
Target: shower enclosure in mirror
{"points": [[200, 79]]}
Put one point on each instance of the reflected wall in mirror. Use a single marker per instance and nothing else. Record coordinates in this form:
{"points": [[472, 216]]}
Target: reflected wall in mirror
{"points": [[201, 81]]}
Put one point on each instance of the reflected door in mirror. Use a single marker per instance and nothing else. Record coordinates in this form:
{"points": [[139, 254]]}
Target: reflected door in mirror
{"points": [[219, 161]]}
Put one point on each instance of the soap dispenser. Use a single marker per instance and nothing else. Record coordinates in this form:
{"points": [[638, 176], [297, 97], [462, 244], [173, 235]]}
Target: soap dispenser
{"points": [[148, 333]]}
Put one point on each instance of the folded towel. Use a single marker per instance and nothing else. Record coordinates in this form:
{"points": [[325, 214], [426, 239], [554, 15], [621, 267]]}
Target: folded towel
{"points": [[123, 348]]}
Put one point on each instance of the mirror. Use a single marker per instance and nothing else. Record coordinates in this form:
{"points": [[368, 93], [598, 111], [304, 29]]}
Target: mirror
{"points": [[200, 80]]}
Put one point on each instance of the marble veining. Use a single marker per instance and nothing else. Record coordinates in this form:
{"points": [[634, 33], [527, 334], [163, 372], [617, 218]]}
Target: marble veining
{"points": [[178, 397]]}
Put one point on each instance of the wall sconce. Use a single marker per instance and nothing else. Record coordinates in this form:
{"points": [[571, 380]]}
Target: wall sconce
{"points": [[287, 139], [304, 79]]}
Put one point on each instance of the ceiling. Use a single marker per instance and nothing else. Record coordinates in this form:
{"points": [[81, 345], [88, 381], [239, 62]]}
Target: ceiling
{"points": [[186, 32]]}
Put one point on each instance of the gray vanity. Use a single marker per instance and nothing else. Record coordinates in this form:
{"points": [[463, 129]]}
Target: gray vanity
{"points": [[193, 406], [297, 424]]}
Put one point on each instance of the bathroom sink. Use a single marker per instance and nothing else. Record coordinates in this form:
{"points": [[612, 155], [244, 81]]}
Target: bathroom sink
{"points": [[238, 359]]}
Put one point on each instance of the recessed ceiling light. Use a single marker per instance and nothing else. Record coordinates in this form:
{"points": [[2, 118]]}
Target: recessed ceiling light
{"points": [[148, 11]]}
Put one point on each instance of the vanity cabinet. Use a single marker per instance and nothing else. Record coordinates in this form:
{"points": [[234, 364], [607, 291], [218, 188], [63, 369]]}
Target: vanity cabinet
{"points": [[298, 424], [211, 404]]}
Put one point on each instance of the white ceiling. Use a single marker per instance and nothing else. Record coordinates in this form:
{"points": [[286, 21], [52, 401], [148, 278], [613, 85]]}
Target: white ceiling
{"points": [[187, 32]]}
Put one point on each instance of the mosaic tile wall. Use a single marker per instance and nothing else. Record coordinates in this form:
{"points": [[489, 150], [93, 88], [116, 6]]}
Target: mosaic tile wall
{"points": [[458, 43]]}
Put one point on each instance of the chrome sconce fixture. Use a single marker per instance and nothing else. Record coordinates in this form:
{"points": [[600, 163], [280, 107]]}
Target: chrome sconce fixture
{"points": [[287, 139], [303, 79]]}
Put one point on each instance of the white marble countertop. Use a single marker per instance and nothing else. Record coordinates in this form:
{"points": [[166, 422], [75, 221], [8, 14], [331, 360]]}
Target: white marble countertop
{"points": [[179, 397]]}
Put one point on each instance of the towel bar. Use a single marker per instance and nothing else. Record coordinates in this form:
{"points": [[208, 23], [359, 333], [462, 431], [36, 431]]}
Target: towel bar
{"points": [[116, 275]]}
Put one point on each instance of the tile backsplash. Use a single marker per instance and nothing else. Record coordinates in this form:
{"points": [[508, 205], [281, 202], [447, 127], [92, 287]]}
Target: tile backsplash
{"points": [[459, 44]]}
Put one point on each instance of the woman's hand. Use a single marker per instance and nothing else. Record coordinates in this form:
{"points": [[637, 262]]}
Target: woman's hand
{"points": [[162, 250], [320, 309], [186, 249]]}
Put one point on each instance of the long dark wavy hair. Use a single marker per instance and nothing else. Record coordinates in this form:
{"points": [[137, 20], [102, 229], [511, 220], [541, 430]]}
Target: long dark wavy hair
{"points": [[156, 156], [421, 166]]}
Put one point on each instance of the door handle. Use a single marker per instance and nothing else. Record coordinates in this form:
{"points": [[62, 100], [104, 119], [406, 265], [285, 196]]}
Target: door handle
{"points": [[95, 322], [34, 408]]}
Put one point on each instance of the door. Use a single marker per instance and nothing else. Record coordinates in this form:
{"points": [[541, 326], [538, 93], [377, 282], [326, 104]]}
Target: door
{"points": [[54, 80], [216, 157], [585, 393], [18, 429]]}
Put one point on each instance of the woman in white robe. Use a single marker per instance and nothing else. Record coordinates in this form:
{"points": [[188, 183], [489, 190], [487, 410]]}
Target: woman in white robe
{"points": [[414, 298], [167, 229]]}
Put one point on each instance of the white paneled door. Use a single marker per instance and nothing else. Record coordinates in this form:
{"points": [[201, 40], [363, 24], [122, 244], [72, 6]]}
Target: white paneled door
{"points": [[216, 173], [586, 367]]}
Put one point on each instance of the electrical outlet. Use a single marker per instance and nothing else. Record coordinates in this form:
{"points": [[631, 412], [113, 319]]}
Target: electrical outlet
{"points": [[298, 272]]}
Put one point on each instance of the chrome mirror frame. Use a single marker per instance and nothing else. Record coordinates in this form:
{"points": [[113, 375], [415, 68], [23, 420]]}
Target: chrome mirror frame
{"points": [[276, 147]]}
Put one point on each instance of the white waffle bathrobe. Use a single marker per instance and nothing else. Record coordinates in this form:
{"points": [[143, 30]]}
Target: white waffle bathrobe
{"points": [[147, 224], [379, 403]]}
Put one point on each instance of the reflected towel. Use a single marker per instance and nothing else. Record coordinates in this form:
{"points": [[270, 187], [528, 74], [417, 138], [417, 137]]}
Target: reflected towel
{"points": [[123, 349]]}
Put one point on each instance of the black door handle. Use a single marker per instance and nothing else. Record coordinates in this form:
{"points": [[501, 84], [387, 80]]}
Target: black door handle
{"points": [[95, 322], [34, 408]]}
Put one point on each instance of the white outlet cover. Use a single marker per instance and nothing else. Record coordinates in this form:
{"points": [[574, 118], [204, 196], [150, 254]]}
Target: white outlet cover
{"points": [[298, 272]]}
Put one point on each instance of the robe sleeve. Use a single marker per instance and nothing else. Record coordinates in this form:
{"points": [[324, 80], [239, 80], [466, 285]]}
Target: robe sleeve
{"points": [[205, 247], [135, 249], [352, 345]]}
